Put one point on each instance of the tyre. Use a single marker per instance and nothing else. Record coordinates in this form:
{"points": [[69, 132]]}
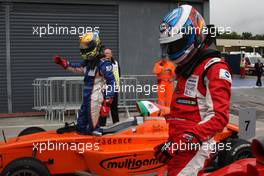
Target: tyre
{"points": [[239, 149], [30, 130], [26, 167]]}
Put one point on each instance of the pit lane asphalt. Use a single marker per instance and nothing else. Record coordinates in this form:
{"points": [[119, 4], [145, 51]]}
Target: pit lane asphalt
{"points": [[244, 94]]}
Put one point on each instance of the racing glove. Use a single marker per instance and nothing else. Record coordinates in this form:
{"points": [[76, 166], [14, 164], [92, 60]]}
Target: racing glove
{"points": [[61, 61], [189, 138], [165, 152], [105, 108]]}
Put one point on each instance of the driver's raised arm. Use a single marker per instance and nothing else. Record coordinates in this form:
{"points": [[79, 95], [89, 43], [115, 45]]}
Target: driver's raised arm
{"points": [[72, 67]]}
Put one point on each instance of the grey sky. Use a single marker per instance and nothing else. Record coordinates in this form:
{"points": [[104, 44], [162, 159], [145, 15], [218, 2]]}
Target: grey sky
{"points": [[240, 15]]}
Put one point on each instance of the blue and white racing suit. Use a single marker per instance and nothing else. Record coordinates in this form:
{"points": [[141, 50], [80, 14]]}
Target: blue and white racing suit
{"points": [[98, 84]]}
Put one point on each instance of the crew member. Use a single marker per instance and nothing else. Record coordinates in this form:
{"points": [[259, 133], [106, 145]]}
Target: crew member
{"points": [[242, 68], [97, 71], [200, 102], [258, 71], [116, 72], [165, 72]]}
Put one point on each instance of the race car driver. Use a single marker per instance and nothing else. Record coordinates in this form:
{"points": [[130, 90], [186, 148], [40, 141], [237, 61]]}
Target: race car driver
{"points": [[200, 102], [97, 72]]}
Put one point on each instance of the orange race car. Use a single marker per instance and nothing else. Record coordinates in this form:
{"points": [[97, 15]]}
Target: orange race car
{"points": [[124, 149]]}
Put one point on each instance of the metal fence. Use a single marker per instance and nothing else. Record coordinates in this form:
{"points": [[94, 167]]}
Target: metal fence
{"points": [[59, 95], [56, 95]]}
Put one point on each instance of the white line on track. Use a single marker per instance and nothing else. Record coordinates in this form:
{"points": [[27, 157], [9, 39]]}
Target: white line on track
{"points": [[246, 87], [38, 125]]}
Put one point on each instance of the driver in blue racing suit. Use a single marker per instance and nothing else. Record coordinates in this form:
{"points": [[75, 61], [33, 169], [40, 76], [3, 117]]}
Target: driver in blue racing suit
{"points": [[99, 81]]}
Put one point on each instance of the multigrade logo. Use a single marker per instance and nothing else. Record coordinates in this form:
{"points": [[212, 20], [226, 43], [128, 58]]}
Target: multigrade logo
{"points": [[135, 163]]}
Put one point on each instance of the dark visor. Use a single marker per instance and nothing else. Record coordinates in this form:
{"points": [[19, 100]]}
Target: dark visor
{"points": [[89, 48], [176, 46]]}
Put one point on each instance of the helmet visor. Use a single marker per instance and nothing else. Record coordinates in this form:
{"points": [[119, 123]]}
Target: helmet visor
{"points": [[87, 48], [176, 46]]}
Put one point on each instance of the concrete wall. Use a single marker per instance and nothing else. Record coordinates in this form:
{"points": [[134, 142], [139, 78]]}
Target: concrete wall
{"points": [[139, 32]]}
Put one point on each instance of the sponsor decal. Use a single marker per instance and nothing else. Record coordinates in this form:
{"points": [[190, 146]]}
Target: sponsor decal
{"points": [[224, 74], [212, 61], [191, 86], [164, 27], [113, 141], [109, 68], [133, 163], [186, 101]]}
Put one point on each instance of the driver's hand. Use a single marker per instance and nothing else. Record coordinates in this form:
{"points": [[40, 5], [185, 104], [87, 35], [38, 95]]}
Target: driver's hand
{"points": [[105, 109], [61, 61], [164, 152]]}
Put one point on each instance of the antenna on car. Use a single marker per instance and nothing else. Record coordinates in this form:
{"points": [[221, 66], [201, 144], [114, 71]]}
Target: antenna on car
{"points": [[3, 132]]}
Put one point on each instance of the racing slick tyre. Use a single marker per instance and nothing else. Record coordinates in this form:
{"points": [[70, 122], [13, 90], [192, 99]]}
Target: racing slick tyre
{"points": [[26, 167], [239, 149], [30, 130]]}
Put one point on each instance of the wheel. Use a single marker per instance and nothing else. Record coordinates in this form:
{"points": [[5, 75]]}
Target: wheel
{"points": [[239, 149], [30, 130], [26, 167]]}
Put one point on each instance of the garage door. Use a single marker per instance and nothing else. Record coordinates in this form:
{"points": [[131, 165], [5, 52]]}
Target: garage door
{"points": [[3, 88], [39, 31]]}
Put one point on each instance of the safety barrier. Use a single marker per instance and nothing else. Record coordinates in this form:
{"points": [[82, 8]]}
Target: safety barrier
{"points": [[58, 95]]}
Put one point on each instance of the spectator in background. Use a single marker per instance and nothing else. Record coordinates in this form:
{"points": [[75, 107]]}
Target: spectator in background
{"points": [[259, 72], [242, 68], [165, 72], [116, 73]]}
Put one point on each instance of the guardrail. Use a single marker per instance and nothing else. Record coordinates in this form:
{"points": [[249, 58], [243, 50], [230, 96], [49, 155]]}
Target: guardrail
{"points": [[58, 95]]}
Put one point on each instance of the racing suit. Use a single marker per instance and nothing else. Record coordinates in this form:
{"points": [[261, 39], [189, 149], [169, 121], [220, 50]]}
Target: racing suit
{"points": [[97, 74], [165, 76], [200, 105]]}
